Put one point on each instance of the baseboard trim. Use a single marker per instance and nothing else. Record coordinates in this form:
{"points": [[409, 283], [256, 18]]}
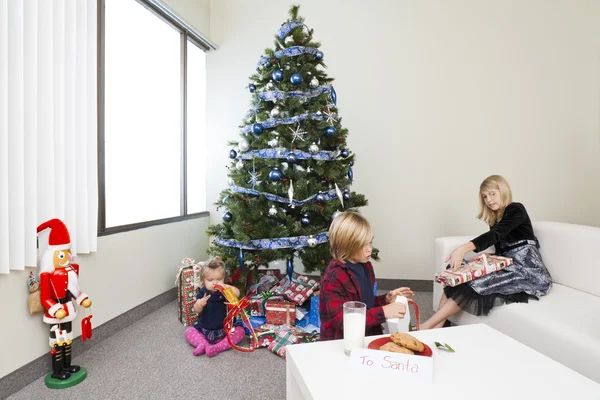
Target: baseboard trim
{"points": [[18, 379]]}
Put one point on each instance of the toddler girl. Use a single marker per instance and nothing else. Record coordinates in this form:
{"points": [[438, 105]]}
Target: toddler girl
{"points": [[208, 334]]}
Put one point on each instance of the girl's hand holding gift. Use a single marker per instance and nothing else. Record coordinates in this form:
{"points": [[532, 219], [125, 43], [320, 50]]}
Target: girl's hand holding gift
{"points": [[403, 291]]}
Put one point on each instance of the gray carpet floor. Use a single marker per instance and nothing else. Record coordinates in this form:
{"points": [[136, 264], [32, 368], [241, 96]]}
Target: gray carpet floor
{"points": [[150, 359]]}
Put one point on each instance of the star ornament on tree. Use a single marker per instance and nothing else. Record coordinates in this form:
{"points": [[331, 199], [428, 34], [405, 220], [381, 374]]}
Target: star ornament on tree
{"points": [[254, 178], [256, 107], [298, 133], [330, 115]]}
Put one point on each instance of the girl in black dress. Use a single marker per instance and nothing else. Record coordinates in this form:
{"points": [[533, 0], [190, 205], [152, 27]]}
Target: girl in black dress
{"points": [[512, 235]]}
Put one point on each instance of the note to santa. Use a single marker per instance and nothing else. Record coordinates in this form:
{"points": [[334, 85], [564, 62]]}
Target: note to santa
{"points": [[404, 368]]}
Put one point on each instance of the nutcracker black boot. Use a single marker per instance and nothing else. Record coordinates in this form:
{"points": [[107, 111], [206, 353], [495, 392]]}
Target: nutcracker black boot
{"points": [[57, 364], [67, 367]]}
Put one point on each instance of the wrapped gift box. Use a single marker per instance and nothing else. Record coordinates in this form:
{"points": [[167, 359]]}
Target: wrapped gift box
{"points": [[313, 314], [186, 296], [476, 268], [265, 282], [266, 335], [257, 304], [283, 339], [280, 312], [300, 289]]}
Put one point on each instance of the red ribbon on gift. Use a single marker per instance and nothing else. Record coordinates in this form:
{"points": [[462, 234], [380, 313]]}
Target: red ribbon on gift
{"points": [[237, 307]]}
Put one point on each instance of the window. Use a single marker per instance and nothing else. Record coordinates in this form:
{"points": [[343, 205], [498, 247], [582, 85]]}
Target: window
{"points": [[151, 149]]}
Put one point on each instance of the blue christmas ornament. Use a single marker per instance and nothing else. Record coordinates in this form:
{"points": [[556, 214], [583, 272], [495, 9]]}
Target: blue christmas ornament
{"points": [[268, 64], [251, 88], [277, 75], [227, 217], [275, 175], [232, 153], [320, 198], [290, 268], [333, 96], [296, 79], [241, 258], [352, 163], [319, 55], [330, 130], [350, 174], [257, 129], [305, 220], [291, 158], [345, 153], [346, 195]]}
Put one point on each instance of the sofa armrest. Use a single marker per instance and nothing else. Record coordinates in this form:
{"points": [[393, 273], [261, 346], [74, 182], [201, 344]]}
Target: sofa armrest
{"points": [[443, 247]]}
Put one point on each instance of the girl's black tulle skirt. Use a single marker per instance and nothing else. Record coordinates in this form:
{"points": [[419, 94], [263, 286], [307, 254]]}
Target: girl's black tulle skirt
{"points": [[474, 303]]}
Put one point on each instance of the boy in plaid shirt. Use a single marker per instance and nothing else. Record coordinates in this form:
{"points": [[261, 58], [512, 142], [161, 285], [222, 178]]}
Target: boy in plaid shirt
{"points": [[350, 277]]}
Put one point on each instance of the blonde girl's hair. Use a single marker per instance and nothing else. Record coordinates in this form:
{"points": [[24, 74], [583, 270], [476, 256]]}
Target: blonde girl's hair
{"points": [[348, 234], [214, 264], [494, 182]]}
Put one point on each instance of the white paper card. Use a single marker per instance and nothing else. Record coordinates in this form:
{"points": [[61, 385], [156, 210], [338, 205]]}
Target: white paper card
{"points": [[404, 368]]}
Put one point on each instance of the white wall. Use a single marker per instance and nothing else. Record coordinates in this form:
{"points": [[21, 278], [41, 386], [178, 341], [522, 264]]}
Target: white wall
{"points": [[195, 12], [128, 269], [437, 95]]}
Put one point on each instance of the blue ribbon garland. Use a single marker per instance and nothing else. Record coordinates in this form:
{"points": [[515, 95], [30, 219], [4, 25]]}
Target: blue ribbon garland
{"points": [[287, 28], [296, 94], [272, 122], [283, 153], [287, 52], [329, 195], [294, 242]]}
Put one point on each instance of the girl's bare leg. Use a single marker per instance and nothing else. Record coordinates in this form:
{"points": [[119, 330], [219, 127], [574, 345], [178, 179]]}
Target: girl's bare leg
{"points": [[448, 308], [442, 301]]}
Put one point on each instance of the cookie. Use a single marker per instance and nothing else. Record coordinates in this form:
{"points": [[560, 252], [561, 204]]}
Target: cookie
{"points": [[394, 348], [406, 340]]}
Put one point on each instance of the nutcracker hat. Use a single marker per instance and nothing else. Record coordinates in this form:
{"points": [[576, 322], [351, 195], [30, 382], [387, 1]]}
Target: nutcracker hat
{"points": [[59, 238]]}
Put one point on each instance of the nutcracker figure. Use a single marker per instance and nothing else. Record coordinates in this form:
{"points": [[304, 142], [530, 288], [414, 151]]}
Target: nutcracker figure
{"points": [[59, 290]]}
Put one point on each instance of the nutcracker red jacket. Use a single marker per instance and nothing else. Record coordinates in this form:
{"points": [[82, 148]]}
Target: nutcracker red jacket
{"points": [[339, 286]]}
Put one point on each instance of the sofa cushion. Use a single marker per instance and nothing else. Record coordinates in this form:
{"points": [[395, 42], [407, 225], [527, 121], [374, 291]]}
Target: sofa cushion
{"points": [[562, 325], [569, 252]]}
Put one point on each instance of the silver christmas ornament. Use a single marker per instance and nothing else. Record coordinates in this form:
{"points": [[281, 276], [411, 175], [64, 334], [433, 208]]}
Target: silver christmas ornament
{"points": [[313, 149], [289, 40], [312, 242], [243, 145], [239, 164], [314, 82], [272, 211], [275, 112], [273, 142]]}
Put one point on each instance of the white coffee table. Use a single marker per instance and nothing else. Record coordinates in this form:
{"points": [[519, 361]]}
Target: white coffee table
{"points": [[486, 365]]}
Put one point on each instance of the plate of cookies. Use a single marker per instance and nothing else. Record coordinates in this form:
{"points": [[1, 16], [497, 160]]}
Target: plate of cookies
{"points": [[401, 343]]}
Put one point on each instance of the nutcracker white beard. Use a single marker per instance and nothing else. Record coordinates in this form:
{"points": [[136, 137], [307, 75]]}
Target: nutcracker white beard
{"points": [[47, 262]]}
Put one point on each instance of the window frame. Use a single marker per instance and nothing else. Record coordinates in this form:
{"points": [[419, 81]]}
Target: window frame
{"points": [[187, 34]]}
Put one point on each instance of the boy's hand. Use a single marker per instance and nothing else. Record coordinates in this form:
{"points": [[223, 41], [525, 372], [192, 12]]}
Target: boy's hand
{"points": [[394, 310], [403, 291]]}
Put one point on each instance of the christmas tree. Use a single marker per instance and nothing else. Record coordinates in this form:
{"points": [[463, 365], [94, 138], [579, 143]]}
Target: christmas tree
{"points": [[291, 170]]}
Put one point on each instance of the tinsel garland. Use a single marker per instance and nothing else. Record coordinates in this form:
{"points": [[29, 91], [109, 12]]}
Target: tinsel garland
{"points": [[294, 242], [328, 195]]}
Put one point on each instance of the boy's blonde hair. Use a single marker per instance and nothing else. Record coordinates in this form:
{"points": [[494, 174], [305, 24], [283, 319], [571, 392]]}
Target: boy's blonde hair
{"points": [[348, 234], [494, 182], [214, 264]]}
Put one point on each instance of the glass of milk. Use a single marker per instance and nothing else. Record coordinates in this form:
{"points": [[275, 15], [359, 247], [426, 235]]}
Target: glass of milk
{"points": [[355, 324]]}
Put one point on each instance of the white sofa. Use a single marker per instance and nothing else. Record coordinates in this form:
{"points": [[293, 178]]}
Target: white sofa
{"points": [[565, 324]]}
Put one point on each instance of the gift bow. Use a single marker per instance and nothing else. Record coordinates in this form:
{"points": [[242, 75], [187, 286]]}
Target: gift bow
{"points": [[237, 307]]}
